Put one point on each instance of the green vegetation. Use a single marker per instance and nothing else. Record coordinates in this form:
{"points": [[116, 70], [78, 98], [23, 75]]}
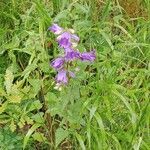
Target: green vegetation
{"points": [[106, 107]]}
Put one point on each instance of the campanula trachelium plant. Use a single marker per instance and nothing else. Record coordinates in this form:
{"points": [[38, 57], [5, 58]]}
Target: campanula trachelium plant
{"points": [[68, 41]]}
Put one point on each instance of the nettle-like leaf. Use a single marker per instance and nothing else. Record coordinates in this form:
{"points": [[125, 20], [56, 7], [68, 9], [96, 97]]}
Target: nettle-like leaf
{"points": [[60, 135], [9, 77], [28, 120], [44, 66], [31, 67], [36, 86], [39, 117], [15, 95], [3, 107], [52, 101], [21, 122], [35, 105], [51, 98], [15, 98], [39, 137], [25, 120], [14, 91], [73, 114], [12, 126]]}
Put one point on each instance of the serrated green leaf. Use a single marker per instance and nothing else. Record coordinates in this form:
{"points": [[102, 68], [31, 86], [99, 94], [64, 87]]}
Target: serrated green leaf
{"points": [[9, 77], [12, 126], [28, 120], [60, 135], [36, 84], [21, 123], [14, 98], [3, 107], [31, 67], [35, 105], [38, 117], [39, 137], [2, 92]]}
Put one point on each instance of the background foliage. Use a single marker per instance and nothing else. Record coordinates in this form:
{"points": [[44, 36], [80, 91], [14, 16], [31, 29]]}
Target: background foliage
{"points": [[105, 107]]}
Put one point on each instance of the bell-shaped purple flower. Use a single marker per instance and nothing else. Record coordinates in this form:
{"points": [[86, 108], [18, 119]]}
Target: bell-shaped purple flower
{"points": [[65, 39], [66, 35], [88, 56], [68, 41], [64, 43], [58, 63], [62, 77], [71, 54], [55, 29]]}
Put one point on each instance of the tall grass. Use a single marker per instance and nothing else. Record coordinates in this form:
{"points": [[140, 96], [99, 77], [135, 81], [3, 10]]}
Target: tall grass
{"points": [[107, 105]]}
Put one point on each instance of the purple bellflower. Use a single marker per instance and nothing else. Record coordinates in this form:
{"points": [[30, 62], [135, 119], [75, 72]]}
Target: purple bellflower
{"points": [[64, 43], [57, 63], [55, 29], [68, 41], [62, 77], [65, 39], [88, 56], [71, 54]]}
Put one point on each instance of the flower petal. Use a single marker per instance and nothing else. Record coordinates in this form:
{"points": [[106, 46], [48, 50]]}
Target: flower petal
{"points": [[88, 56], [55, 29], [57, 63], [67, 39], [71, 54], [64, 43], [62, 77]]}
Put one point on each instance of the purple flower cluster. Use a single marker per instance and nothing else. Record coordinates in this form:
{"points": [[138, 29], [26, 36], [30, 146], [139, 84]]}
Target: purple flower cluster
{"points": [[68, 41]]}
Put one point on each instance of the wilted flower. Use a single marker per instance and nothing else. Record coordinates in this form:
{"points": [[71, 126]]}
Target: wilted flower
{"points": [[58, 63], [88, 56], [58, 87], [71, 31]]}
